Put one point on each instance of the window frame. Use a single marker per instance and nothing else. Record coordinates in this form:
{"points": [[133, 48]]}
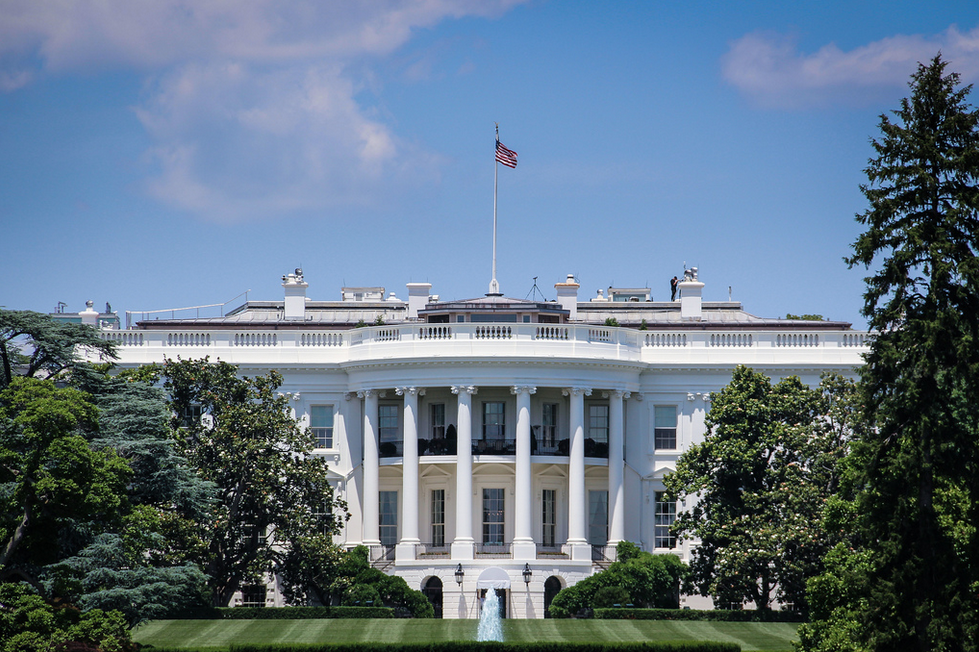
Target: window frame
{"points": [[665, 434], [494, 520], [322, 434], [664, 515]]}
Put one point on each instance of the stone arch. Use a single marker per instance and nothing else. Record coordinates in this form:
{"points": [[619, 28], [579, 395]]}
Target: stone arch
{"points": [[552, 585], [432, 588]]}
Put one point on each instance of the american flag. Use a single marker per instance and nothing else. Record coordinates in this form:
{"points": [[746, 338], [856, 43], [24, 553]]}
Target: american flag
{"points": [[507, 157]]}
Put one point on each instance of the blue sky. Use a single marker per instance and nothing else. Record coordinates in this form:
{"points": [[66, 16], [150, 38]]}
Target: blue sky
{"points": [[177, 153]]}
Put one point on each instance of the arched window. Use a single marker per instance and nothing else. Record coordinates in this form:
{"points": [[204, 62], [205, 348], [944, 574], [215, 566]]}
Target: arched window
{"points": [[551, 587], [433, 591]]}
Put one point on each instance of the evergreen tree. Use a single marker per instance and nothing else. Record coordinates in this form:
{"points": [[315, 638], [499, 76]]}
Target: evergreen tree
{"points": [[916, 510]]}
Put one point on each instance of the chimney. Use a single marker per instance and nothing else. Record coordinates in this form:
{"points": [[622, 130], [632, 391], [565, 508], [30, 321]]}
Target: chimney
{"points": [[90, 315], [295, 304], [567, 296], [418, 294], [691, 296]]}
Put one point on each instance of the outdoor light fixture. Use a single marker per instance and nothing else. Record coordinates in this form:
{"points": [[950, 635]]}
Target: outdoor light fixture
{"points": [[527, 573], [459, 574]]}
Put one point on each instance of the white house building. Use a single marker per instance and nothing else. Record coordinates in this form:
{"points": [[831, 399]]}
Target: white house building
{"points": [[497, 443]]}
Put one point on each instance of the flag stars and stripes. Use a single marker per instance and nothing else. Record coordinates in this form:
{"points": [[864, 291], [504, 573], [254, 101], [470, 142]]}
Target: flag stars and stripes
{"points": [[507, 157]]}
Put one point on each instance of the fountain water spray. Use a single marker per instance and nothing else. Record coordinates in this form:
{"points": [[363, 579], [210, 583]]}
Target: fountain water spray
{"points": [[490, 623]]}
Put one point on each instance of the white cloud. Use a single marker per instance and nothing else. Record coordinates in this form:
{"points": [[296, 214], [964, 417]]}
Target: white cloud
{"points": [[771, 71], [251, 104]]}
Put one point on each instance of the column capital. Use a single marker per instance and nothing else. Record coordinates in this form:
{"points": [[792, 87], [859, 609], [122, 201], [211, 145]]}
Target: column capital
{"points": [[520, 389], [467, 389], [576, 391], [637, 395], [367, 393], [615, 393], [349, 395], [411, 391]]}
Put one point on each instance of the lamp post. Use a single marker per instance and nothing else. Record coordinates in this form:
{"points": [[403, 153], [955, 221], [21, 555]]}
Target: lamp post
{"points": [[527, 573], [459, 574]]}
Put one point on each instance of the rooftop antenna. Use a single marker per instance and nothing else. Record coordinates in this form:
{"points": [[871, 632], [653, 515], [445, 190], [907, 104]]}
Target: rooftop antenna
{"points": [[534, 291]]}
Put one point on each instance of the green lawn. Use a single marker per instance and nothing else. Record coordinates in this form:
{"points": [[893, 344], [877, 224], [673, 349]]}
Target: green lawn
{"points": [[221, 633]]}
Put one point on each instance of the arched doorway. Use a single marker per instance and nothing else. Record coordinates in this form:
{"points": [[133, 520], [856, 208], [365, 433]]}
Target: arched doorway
{"points": [[551, 587], [433, 591], [496, 579]]}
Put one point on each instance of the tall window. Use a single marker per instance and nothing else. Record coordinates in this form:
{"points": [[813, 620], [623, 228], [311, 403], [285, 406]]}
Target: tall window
{"points": [[548, 517], [387, 430], [438, 420], [494, 420], [324, 518], [438, 517], [665, 515], [493, 516], [549, 430], [598, 518], [388, 516], [664, 434], [253, 595], [598, 423], [321, 423]]}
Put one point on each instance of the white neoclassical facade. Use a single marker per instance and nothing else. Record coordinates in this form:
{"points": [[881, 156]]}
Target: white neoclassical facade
{"points": [[498, 443]]}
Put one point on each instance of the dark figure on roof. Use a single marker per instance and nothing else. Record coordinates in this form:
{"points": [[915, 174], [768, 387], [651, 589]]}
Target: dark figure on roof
{"points": [[673, 284]]}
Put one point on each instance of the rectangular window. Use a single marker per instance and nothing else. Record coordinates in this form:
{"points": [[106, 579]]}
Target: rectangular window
{"points": [[664, 433], [438, 420], [548, 517], [387, 422], [190, 416], [388, 517], [598, 423], [438, 518], [598, 518], [664, 517], [494, 420], [549, 430], [493, 516], [324, 518], [253, 595], [321, 424]]}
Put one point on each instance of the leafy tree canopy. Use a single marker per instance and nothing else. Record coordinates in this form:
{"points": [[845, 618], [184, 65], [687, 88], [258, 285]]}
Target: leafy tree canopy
{"points": [[917, 503], [50, 477], [758, 483], [33, 344], [638, 578], [274, 504]]}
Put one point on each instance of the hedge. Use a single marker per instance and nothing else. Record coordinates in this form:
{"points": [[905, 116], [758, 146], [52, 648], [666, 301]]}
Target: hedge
{"points": [[726, 615], [469, 646], [287, 613]]}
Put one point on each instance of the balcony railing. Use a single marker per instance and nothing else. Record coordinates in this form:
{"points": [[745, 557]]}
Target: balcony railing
{"points": [[436, 446], [494, 550], [494, 446]]}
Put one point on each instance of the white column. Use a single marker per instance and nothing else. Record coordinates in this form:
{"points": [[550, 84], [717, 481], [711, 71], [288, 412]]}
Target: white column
{"points": [[409, 468], [616, 491], [577, 505], [462, 545], [372, 530], [523, 537]]}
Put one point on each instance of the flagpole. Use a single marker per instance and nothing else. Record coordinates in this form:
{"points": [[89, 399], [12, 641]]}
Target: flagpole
{"points": [[494, 287]]}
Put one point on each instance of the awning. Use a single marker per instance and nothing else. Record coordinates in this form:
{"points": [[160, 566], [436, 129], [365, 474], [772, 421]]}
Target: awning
{"points": [[493, 577]]}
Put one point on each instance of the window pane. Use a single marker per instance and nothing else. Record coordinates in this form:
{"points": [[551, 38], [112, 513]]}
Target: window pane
{"points": [[598, 518], [549, 417], [493, 516], [598, 423], [548, 516], [388, 515], [438, 517], [664, 517], [321, 425], [494, 420], [664, 434], [387, 422]]}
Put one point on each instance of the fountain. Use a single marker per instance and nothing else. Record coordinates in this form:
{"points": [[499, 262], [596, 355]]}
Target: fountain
{"points": [[490, 623]]}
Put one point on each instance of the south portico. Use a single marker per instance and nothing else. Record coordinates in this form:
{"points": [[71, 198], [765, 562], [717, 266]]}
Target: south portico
{"points": [[526, 455]]}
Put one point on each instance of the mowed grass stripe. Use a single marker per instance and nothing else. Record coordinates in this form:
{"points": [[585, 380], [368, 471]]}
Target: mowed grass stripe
{"points": [[222, 633]]}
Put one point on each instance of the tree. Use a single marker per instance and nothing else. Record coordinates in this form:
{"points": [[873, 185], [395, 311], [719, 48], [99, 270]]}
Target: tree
{"points": [[33, 344], [50, 477], [759, 482], [351, 581], [28, 622], [639, 578], [917, 503], [144, 567], [274, 500]]}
